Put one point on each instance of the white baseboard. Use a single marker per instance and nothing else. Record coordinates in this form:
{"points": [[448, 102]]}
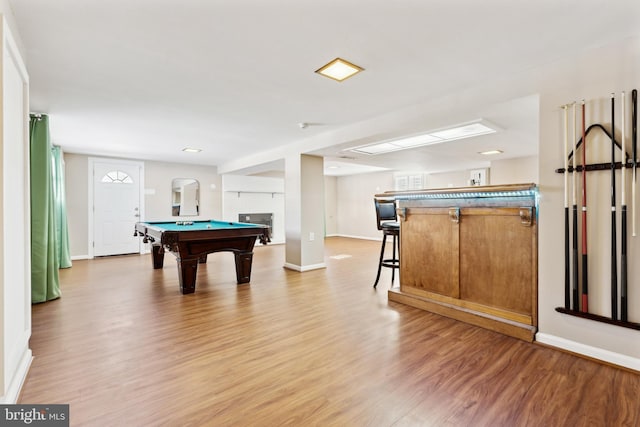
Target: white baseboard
{"points": [[79, 257], [348, 236], [273, 242], [303, 268], [13, 391], [589, 351]]}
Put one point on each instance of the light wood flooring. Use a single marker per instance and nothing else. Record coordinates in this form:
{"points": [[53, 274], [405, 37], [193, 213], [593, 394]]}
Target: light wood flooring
{"points": [[123, 347]]}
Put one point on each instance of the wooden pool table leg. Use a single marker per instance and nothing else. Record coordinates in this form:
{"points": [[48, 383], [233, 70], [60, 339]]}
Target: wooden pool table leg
{"points": [[202, 259], [157, 258], [187, 269], [243, 266]]}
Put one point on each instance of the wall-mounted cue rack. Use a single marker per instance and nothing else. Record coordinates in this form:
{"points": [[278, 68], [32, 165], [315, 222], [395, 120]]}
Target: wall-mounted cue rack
{"points": [[576, 285]]}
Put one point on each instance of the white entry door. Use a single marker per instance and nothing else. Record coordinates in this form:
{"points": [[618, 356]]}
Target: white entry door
{"points": [[116, 206]]}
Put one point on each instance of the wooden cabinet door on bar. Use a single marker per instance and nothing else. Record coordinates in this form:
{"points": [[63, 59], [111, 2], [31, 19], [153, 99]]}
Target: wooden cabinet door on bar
{"points": [[473, 263], [497, 259], [429, 258], [486, 257]]}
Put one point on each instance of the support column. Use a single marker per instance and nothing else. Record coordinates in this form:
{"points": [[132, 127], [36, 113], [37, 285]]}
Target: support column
{"points": [[304, 212]]}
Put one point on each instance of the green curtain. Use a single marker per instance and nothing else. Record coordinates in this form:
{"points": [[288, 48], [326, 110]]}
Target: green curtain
{"points": [[45, 284], [60, 208]]}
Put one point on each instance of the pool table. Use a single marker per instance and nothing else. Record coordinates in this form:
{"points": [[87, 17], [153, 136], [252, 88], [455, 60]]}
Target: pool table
{"points": [[191, 241]]}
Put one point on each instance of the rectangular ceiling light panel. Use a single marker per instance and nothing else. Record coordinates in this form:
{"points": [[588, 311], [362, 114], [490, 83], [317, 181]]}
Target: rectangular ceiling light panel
{"points": [[416, 141], [466, 131], [384, 147], [435, 137]]}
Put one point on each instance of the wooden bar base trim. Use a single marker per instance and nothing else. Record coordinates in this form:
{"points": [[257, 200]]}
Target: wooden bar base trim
{"points": [[598, 318], [514, 329]]}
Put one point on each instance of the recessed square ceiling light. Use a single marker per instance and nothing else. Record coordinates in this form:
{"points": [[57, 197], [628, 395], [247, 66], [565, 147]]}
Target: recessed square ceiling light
{"points": [[339, 69], [490, 152], [191, 150]]}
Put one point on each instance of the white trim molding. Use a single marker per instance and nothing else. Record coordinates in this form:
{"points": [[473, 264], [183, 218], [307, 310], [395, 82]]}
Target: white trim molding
{"points": [[15, 386], [589, 351], [349, 236], [303, 268]]}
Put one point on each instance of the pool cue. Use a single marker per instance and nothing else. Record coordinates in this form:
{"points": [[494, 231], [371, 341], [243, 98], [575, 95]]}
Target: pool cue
{"points": [[585, 270], [567, 261], [614, 250], [576, 274], [634, 147], [623, 209]]}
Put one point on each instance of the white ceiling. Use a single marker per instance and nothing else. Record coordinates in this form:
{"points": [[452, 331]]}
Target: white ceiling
{"points": [[145, 78]]}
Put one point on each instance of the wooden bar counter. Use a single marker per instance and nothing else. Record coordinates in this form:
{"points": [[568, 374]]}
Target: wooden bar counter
{"points": [[471, 254]]}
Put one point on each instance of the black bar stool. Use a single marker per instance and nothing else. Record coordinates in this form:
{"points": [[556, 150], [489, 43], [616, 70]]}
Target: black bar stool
{"points": [[388, 223]]}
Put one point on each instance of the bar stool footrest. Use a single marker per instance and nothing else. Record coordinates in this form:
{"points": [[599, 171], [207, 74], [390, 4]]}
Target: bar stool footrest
{"points": [[391, 263]]}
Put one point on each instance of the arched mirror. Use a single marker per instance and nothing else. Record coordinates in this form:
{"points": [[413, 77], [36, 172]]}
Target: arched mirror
{"points": [[185, 197]]}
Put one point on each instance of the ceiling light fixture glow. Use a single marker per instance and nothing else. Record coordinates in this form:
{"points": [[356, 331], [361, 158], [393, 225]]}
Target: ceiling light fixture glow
{"points": [[417, 141], [191, 150], [490, 152], [339, 70], [466, 130]]}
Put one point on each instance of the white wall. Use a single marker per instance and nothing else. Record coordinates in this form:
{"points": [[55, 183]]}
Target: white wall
{"points": [[517, 170], [330, 206], [514, 171], [15, 249], [158, 178], [589, 76], [448, 179], [76, 188], [255, 194], [356, 216]]}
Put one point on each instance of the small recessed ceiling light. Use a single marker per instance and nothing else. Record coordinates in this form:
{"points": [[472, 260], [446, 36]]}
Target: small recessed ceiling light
{"points": [[191, 150], [333, 167], [339, 69], [490, 152]]}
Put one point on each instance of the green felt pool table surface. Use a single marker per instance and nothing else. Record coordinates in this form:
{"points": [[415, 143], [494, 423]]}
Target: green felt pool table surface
{"points": [[200, 225]]}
